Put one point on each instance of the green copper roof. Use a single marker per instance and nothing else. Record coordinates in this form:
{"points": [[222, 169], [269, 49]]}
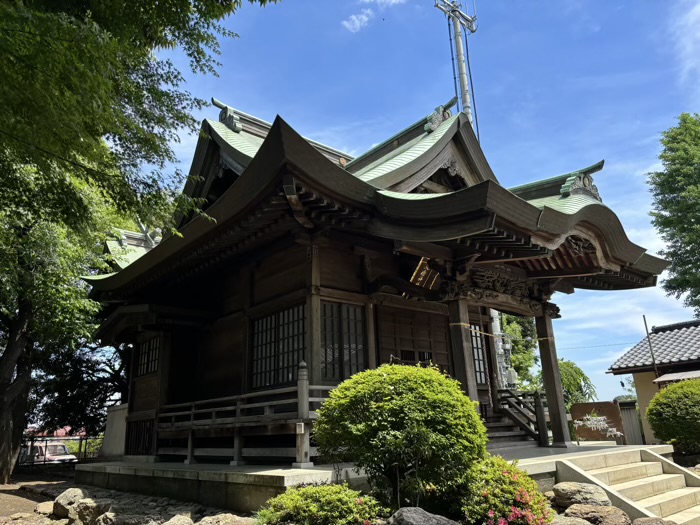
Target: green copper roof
{"points": [[569, 205], [411, 196], [408, 153], [244, 142], [554, 185], [125, 255]]}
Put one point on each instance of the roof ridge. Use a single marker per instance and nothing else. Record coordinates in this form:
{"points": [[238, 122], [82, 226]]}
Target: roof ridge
{"points": [[675, 326]]}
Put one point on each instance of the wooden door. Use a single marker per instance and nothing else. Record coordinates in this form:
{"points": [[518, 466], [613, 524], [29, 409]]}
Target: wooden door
{"points": [[412, 336]]}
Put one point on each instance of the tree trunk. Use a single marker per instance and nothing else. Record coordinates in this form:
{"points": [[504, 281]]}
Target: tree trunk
{"points": [[13, 420], [15, 380]]}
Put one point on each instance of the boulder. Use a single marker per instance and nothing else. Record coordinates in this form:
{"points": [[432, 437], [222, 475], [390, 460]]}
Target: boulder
{"points": [[226, 519], [570, 493], [130, 519], [179, 520], [417, 516], [87, 510], [653, 521], [598, 515], [108, 518], [66, 500], [45, 508], [20, 516], [566, 520]]}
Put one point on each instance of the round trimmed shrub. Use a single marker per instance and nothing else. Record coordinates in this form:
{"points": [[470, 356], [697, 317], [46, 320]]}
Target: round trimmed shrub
{"points": [[407, 427], [674, 416], [320, 505], [498, 493]]}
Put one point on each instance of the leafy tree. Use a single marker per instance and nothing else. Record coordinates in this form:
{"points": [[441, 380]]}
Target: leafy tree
{"points": [[43, 302], [74, 385], [676, 207], [578, 387], [89, 111], [523, 338], [405, 426]]}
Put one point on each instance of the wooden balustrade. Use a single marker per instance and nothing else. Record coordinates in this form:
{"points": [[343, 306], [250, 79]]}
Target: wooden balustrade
{"points": [[527, 410], [295, 405]]}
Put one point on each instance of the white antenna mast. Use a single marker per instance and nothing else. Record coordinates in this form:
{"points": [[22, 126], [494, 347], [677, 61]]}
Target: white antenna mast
{"points": [[459, 20]]}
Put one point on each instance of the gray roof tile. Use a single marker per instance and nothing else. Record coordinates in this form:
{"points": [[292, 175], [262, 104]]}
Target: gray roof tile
{"points": [[673, 343]]}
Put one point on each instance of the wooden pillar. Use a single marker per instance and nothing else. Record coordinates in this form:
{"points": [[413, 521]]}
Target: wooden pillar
{"points": [[462, 354], [370, 321], [552, 382], [190, 449], [313, 308], [237, 439], [303, 426]]}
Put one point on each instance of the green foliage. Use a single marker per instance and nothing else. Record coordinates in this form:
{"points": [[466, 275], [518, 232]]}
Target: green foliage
{"points": [[498, 493], [83, 91], [88, 448], [674, 415], [676, 207], [89, 117], [320, 505], [523, 338], [74, 385], [407, 427], [577, 386]]}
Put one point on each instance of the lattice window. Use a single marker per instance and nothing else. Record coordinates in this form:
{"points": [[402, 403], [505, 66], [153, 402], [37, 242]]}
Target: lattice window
{"points": [[278, 347], [147, 357], [139, 437], [478, 349], [342, 340]]}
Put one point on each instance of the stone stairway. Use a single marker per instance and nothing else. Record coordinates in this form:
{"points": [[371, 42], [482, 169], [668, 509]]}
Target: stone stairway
{"points": [[649, 481], [504, 434]]}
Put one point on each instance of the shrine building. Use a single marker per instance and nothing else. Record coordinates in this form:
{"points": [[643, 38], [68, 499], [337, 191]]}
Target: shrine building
{"points": [[310, 265]]}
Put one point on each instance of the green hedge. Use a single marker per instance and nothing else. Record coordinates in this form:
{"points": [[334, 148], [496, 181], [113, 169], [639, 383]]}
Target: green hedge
{"points": [[674, 416], [320, 505], [407, 427]]}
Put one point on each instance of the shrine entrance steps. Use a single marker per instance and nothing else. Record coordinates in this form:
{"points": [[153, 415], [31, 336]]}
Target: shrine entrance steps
{"points": [[648, 484], [503, 433]]}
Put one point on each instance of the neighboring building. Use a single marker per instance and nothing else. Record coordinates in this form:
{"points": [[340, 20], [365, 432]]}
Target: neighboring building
{"points": [[676, 357], [317, 265]]}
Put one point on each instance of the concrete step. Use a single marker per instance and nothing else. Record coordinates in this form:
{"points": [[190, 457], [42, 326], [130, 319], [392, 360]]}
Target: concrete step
{"points": [[508, 435], [627, 472], [499, 424], [671, 502], [689, 516], [608, 459], [502, 446], [647, 487]]}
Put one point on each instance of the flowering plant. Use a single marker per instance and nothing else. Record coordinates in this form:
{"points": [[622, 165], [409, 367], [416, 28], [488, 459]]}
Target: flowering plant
{"points": [[599, 423], [500, 494]]}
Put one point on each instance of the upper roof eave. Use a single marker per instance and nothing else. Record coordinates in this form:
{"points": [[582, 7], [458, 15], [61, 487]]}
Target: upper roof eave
{"points": [[286, 151], [552, 186]]}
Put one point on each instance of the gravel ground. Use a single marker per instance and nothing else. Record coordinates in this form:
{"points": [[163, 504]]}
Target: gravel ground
{"points": [[18, 501]]}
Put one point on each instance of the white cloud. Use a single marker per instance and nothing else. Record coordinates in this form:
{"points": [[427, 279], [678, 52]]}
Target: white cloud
{"points": [[358, 21], [686, 42], [384, 3]]}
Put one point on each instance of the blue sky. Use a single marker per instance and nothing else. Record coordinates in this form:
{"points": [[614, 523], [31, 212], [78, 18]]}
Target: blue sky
{"points": [[559, 86]]}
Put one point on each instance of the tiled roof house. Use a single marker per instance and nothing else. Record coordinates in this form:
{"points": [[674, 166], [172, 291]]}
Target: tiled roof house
{"points": [[671, 353]]}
